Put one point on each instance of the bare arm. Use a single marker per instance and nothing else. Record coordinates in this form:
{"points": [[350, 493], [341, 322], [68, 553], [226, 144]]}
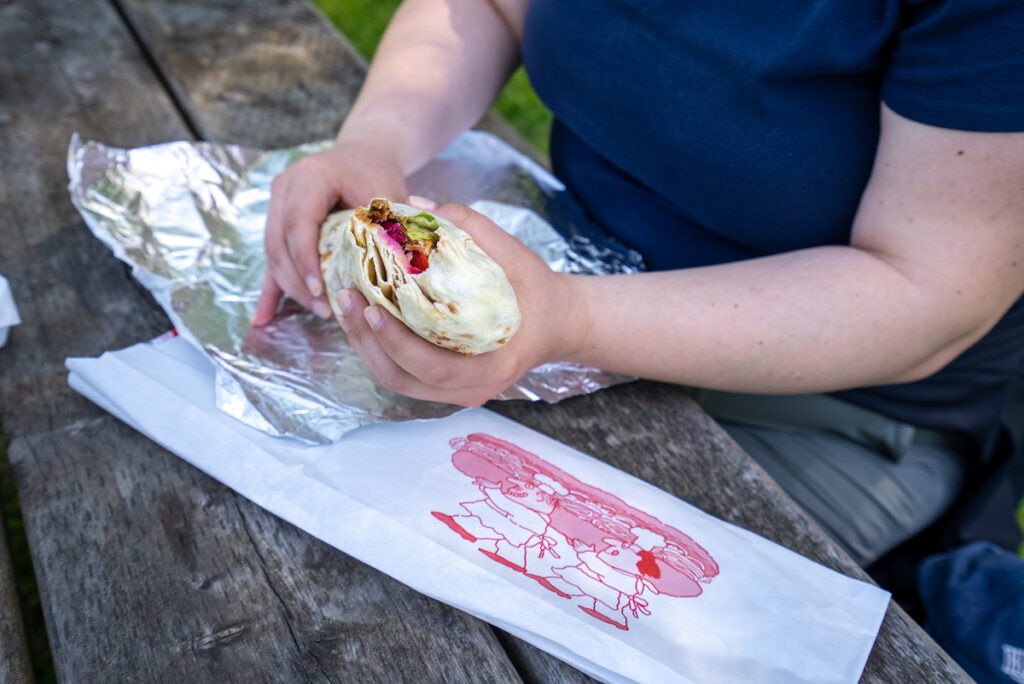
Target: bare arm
{"points": [[936, 258], [437, 70], [439, 66]]}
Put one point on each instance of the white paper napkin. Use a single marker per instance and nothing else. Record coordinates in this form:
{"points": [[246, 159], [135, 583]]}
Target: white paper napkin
{"points": [[8, 311], [604, 571]]}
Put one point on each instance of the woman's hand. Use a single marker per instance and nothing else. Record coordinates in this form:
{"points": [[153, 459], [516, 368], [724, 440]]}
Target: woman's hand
{"points": [[347, 174], [439, 66], [406, 363]]}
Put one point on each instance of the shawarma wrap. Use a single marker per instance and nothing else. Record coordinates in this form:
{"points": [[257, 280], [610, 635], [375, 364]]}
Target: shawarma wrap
{"points": [[423, 269]]}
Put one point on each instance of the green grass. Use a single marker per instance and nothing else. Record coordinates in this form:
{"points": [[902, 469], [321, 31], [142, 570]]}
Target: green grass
{"points": [[1020, 521], [28, 594], [363, 22]]}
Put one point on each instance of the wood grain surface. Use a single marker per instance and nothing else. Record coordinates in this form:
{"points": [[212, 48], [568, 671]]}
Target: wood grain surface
{"points": [[302, 61], [266, 74], [15, 663], [656, 432], [150, 570]]}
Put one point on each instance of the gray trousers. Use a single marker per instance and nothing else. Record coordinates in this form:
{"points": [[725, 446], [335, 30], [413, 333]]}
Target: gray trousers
{"points": [[870, 481]]}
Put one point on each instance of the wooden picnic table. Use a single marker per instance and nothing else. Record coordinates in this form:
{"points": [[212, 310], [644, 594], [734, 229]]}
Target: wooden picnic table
{"points": [[15, 667], [148, 570]]}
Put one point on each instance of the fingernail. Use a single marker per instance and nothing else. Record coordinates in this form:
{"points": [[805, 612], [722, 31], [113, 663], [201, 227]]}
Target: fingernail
{"points": [[313, 283], [321, 309], [422, 202], [345, 302], [374, 317]]}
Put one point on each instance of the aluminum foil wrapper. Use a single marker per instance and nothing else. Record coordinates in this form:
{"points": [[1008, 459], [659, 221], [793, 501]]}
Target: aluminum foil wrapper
{"points": [[189, 218]]}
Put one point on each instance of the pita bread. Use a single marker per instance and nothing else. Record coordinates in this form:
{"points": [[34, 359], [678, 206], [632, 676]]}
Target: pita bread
{"points": [[461, 301]]}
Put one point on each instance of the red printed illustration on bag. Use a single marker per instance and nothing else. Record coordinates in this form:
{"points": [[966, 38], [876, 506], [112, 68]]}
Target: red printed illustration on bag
{"points": [[573, 539]]}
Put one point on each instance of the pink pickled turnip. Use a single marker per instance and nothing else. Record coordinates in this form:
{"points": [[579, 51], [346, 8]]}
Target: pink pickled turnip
{"points": [[414, 262], [395, 231]]}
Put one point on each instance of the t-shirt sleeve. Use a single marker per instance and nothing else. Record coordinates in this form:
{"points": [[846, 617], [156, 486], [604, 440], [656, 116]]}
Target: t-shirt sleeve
{"points": [[959, 64]]}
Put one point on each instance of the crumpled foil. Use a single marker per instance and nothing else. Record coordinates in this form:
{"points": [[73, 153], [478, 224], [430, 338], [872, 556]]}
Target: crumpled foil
{"points": [[189, 218]]}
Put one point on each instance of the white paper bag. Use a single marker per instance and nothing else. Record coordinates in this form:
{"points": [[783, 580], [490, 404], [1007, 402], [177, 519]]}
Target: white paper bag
{"points": [[606, 572], [8, 311]]}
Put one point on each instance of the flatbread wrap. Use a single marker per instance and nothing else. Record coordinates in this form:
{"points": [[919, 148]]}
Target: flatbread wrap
{"points": [[426, 271]]}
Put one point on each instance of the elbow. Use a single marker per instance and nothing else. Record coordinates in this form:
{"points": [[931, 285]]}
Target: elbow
{"points": [[929, 367], [944, 351]]}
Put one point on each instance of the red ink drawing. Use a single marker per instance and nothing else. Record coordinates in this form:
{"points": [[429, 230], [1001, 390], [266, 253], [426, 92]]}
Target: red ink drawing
{"points": [[575, 540]]}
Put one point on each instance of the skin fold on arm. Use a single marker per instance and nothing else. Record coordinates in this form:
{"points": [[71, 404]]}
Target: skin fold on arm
{"points": [[936, 257]]}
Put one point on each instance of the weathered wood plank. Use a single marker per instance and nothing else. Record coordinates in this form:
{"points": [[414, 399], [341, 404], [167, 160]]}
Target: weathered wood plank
{"points": [[15, 663], [274, 74], [537, 667], [657, 433], [650, 430], [261, 73], [149, 570], [271, 605]]}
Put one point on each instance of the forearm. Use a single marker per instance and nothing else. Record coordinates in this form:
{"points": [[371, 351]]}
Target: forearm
{"points": [[816, 320], [439, 66], [936, 258]]}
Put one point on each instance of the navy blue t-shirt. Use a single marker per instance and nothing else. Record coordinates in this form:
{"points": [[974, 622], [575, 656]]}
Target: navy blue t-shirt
{"points": [[706, 131]]}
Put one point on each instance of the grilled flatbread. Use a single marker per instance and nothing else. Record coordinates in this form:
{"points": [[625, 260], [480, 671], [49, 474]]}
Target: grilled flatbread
{"points": [[423, 269]]}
